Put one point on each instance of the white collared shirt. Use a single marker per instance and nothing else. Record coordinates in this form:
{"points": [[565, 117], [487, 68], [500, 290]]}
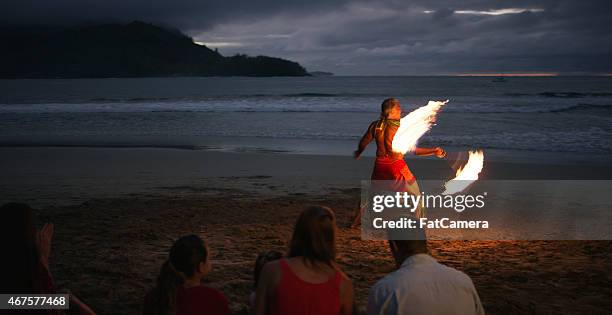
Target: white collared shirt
{"points": [[423, 286]]}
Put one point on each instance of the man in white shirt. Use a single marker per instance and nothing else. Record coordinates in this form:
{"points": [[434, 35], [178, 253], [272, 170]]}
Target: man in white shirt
{"points": [[421, 285]]}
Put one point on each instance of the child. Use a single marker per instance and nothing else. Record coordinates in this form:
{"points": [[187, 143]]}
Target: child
{"points": [[179, 289], [262, 259]]}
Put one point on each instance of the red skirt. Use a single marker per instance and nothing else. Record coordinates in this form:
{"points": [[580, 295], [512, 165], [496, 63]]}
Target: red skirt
{"points": [[395, 176], [393, 170]]}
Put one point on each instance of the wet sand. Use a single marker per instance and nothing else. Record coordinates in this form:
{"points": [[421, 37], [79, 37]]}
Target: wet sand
{"points": [[45, 176], [117, 211]]}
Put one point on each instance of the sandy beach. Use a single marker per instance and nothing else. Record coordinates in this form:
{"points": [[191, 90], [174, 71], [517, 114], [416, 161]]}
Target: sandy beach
{"points": [[116, 212]]}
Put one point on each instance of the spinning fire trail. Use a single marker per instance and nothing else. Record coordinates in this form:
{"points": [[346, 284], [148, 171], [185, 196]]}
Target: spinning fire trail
{"points": [[414, 125]]}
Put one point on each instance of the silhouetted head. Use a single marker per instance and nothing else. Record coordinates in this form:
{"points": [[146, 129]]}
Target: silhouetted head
{"points": [[22, 270], [189, 256], [390, 109], [188, 259], [406, 243], [262, 259], [314, 235]]}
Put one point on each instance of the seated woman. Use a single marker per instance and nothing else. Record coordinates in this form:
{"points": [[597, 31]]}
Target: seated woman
{"points": [[26, 265], [179, 288], [308, 281]]}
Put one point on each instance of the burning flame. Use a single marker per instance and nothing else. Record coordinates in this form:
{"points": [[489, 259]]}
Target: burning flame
{"points": [[466, 175], [414, 125]]}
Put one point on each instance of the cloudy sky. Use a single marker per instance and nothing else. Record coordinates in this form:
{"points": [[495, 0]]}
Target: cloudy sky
{"points": [[371, 37]]}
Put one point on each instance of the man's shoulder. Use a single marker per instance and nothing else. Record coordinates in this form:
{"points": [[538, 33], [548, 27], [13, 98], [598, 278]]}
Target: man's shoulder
{"points": [[388, 283], [407, 277], [455, 275]]}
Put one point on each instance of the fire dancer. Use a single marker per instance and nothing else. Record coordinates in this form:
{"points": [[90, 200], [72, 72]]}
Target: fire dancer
{"points": [[390, 165]]}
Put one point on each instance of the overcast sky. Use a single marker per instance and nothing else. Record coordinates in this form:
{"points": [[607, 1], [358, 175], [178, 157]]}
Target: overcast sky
{"points": [[371, 37]]}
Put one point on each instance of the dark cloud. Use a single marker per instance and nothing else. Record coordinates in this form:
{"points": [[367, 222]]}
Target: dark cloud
{"points": [[372, 37], [183, 14]]}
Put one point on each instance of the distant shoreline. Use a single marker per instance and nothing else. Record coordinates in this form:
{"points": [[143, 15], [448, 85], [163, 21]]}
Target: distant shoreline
{"points": [[311, 76]]}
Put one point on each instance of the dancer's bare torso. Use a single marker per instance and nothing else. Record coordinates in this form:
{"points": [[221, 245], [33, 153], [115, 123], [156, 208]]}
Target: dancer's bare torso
{"points": [[383, 134]]}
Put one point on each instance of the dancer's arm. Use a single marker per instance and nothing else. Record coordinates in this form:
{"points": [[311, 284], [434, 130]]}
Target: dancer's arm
{"points": [[437, 151], [365, 140]]}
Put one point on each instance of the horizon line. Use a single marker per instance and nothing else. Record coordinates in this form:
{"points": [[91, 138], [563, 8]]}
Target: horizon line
{"points": [[480, 75]]}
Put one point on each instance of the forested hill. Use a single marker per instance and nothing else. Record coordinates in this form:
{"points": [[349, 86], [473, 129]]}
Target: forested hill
{"points": [[136, 49]]}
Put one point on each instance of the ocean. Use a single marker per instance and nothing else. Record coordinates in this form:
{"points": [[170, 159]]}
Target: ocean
{"points": [[562, 120]]}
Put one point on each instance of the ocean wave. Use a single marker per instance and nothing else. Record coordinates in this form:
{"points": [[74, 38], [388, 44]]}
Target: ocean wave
{"points": [[313, 95], [574, 94], [304, 106], [593, 140], [581, 107], [128, 100], [552, 94], [516, 94], [253, 110], [319, 95], [224, 97]]}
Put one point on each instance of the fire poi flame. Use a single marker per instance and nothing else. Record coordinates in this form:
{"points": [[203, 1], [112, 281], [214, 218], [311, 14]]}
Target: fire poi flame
{"points": [[414, 125], [467, 174]]}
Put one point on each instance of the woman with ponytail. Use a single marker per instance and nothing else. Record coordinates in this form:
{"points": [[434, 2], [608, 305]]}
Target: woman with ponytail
{"points": [[179, 289]]}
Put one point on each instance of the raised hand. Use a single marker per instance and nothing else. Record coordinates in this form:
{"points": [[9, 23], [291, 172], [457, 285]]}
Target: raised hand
{"points": [[43, 241]]}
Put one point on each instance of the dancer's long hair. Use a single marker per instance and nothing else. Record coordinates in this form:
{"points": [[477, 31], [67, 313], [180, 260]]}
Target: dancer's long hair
{"points": [[314, 236], [185, 256]]}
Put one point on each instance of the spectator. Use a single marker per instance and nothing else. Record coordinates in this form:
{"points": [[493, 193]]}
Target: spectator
{"points": [[308, 282], [179, 288], [26, 269], [262, 259], [421, 285]]}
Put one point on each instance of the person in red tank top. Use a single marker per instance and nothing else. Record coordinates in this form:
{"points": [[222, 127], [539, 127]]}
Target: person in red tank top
{"points": [[200, 299], [179, 289], [308, 282]]}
